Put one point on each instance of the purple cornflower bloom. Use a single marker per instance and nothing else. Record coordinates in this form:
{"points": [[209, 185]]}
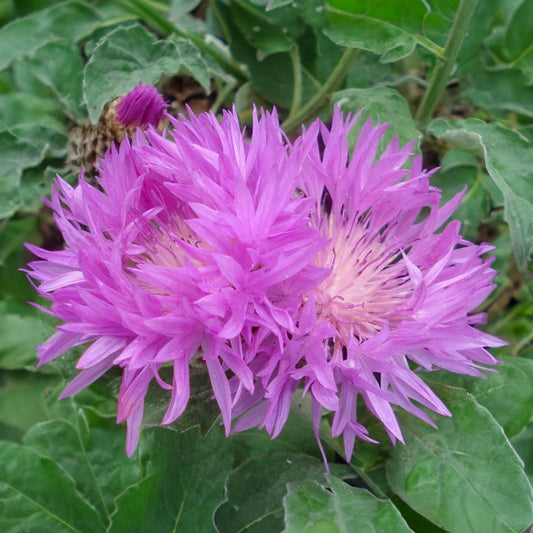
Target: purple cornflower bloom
{"points": [[142, 106], [276, 265], [196, 246], [402, 286]]}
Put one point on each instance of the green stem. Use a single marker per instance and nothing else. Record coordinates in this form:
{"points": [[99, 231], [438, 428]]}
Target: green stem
{"points": [[318, 100], [444, 65], [146, 10], [297, 74]]}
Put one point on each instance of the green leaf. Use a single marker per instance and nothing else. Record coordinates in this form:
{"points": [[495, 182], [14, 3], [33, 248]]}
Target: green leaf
{"points": [[37, 495], [121, 60], [390, 29], [255, 491], [54, 71], [507, 393], [21, 329], [452, 178], [70, 20], [178, 8], [17, 109], [24, 397], [91, 450], [380, 104], [338, 508], [501, 90], [16, 154], [518, 45], [463, 476], [184, 485], [523, 444], [260, 29], [13, 283], [194, 63], [508, 159]]}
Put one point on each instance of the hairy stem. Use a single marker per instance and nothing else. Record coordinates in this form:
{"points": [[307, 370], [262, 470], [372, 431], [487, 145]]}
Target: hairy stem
{"points": [[444, 65]]}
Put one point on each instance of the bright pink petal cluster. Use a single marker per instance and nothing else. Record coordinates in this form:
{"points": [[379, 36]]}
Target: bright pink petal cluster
{"points": [[142, 106], [275, 264]]}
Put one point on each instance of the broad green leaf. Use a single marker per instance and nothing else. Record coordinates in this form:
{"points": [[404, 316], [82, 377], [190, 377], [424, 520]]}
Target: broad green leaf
{"points": [[121, 60], [523, 444], [508, 160], [24, 397], [501, 90], [18, 109], [13, 256], [255, 491], [259, 29], [507, 393], [452, 178], [463, 476], [16, 154], [338, 508], [194, 63], [21, 329], [380, 104], [185, 483], [54, 71], [518, 42], [91, 450], [37, 495], [390, 29], [71, 20]]}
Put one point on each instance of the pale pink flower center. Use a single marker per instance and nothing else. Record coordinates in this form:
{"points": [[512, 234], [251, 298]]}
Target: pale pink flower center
{"points": [[368, 284]]}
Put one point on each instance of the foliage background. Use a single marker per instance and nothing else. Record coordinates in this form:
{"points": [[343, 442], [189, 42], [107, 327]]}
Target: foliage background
{"points": [[63, 465]]}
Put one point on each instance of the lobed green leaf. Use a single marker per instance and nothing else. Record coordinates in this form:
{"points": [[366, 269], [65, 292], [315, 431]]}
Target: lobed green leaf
{"points": [[338, 508], [464, 476], [27, 507], [70, 20], [508, 158]]}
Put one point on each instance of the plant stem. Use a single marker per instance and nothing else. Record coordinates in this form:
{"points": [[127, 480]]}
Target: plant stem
{"points": [[444, 65], [297, 76], [318, 100], [146, 10]]}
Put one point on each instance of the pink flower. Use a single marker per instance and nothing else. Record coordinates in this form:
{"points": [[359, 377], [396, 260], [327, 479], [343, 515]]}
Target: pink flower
{"points": [[399, 296], [275, 265], [196, 248], [142, 106]]}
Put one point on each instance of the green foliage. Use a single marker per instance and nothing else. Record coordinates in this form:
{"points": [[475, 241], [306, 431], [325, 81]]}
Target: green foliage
{"points": [[113, 69], [184, 483], [464, 476], [337, 507], [71, 20], [62, 464], [26, 506], [381, 104], [508, 159], [258, 506]]}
